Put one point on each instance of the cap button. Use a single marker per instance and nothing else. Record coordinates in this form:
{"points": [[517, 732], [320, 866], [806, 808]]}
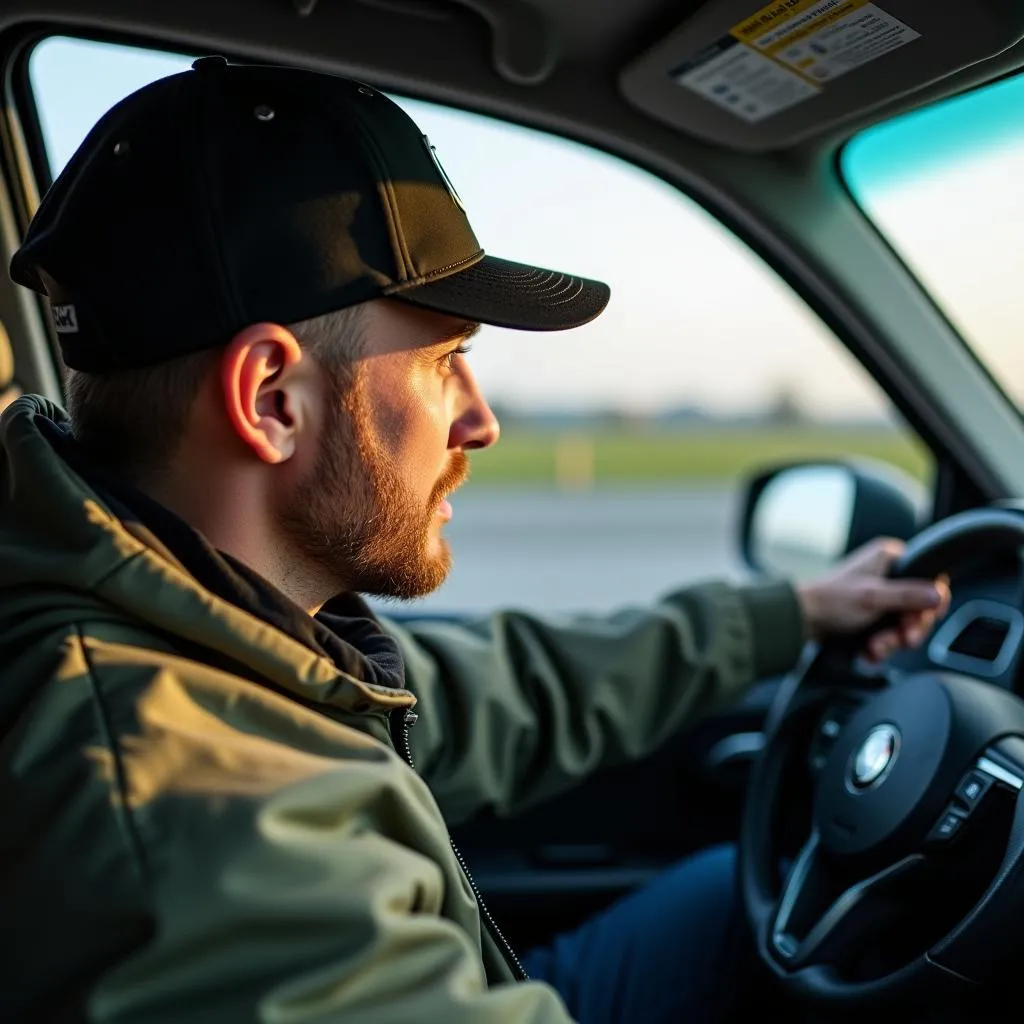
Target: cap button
{"points": [[212, 63]]}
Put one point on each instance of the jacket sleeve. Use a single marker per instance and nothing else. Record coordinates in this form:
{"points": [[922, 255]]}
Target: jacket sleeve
{"points": [[515, 707], [288, 864]]}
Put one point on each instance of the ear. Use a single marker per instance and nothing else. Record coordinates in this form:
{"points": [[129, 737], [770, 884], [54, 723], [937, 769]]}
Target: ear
{"points": [[262, 401]]}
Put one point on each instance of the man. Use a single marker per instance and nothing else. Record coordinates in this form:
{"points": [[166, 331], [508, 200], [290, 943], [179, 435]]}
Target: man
{"points": [[263, 285]]}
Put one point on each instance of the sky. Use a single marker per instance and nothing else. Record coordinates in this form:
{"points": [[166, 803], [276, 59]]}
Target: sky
{"points": [[943, 185]]}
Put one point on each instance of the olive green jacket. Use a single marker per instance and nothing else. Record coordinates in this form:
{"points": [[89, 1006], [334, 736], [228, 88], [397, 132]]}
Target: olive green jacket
{"points": [[206, 820]]}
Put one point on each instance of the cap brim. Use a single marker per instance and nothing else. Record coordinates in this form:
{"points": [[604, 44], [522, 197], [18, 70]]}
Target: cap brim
{"points": [[515, 295]]}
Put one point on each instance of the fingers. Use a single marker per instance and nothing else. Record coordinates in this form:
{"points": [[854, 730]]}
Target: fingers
{"points": [[903, 596], [881, 554], [915, 626], [882, 645], [912, 632]]}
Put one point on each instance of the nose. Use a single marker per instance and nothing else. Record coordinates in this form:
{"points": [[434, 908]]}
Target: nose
{"points": [[475, 426]]}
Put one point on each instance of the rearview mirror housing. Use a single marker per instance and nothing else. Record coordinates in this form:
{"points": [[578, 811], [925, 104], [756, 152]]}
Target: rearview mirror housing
{"points": [[798, 519]]}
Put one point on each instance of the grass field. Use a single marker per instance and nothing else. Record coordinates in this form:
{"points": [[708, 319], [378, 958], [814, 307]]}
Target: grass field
{"points": [[693, 456]]}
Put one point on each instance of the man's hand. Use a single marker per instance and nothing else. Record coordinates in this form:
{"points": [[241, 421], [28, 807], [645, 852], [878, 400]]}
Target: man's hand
{"points": [[857, 593]]}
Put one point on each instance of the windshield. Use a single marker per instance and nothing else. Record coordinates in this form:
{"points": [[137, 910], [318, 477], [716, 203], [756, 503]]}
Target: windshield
{"points": [[944, 184]]}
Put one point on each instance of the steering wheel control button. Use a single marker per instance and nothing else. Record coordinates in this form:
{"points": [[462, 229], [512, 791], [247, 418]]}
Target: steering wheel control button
{"points": [[973, 786], [874, 758], [830, 728], [1000, 773], [947, 827]]}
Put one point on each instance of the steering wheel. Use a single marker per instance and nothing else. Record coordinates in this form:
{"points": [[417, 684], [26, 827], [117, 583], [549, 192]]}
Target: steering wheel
{"points": [[914, 781]]}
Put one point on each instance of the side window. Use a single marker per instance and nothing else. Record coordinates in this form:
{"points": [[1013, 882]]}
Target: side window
{"points": [[623, 442]]}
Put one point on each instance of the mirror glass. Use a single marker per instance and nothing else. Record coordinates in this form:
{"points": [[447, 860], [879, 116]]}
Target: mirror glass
{"points": [[801, 522]]}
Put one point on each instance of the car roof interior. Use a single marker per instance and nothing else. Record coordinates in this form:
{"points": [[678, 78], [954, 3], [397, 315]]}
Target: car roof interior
{"points": [[602, 72], [597, 70]]}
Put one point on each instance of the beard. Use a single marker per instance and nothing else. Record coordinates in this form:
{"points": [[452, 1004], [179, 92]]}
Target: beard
{"points": [[354, 519]]}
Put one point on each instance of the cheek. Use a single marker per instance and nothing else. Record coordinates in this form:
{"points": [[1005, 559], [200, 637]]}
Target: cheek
{"points": [[412, 426], [326, 438]]}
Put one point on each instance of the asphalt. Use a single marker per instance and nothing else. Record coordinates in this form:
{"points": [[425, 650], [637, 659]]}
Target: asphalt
{"points": [[582, 551]]}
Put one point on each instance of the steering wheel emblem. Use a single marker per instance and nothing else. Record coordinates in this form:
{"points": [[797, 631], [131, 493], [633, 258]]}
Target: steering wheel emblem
{"points": [[874, 758]]}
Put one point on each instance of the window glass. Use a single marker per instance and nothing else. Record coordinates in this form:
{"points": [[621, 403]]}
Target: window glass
{"points": [[623, 442], [944, 185]]}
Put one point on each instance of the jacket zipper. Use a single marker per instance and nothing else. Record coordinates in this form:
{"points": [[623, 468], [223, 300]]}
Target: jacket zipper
{"points": [[409, 718]]}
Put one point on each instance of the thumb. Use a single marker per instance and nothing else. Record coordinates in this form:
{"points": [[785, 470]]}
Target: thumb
{"points": [[883, 554]]}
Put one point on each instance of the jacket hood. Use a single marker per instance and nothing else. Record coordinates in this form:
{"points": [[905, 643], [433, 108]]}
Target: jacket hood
{"points": [[67, 557]]}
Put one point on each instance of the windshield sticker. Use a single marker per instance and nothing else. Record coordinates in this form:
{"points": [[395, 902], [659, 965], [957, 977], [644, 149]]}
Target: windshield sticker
{"points": [[787, 51]]}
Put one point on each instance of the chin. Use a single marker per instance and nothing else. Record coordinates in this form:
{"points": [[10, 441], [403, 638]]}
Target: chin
{"points": [[438, 564]]}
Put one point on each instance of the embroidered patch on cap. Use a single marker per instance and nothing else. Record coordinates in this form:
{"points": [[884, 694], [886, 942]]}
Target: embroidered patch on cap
{"points": [[65, 319]]}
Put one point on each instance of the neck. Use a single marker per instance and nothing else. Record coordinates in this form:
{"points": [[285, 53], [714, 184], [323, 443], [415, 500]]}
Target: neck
{"points": [[234, 516]]}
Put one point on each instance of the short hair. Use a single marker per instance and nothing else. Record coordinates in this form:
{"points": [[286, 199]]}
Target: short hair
{"points": [[133, 421]]}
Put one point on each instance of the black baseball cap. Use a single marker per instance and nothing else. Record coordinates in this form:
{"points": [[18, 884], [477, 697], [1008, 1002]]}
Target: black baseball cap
{"points": [[232, 193]]}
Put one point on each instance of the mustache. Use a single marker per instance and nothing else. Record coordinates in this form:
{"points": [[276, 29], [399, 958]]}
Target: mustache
{"points": [[452, 478]]}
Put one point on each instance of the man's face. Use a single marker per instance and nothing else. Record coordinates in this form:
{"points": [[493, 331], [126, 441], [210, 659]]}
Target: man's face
{"points": [[391, 447]]}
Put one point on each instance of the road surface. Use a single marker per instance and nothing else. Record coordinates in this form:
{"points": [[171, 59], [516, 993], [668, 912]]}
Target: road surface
{"points": [[582, 551]]}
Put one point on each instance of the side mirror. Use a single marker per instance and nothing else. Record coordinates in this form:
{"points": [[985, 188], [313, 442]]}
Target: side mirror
{"points": [[799, 519]]}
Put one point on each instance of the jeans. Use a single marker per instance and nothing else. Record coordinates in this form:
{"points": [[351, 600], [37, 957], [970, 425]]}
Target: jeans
{"points": [[676, 950]]}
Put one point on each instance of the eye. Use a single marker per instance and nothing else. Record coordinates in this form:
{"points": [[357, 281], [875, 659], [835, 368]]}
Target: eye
{"points": [[448, 359]]}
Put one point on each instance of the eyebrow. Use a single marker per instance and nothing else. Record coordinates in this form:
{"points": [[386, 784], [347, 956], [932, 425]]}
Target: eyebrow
{"points": [[463, 333]]}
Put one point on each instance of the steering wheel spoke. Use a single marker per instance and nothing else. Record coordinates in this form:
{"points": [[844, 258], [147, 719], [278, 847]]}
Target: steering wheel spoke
{"points": [[824, 919]]}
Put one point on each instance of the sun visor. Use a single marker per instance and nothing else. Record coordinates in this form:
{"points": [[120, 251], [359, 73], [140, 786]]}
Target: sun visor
{"points": [[762, 78]]}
